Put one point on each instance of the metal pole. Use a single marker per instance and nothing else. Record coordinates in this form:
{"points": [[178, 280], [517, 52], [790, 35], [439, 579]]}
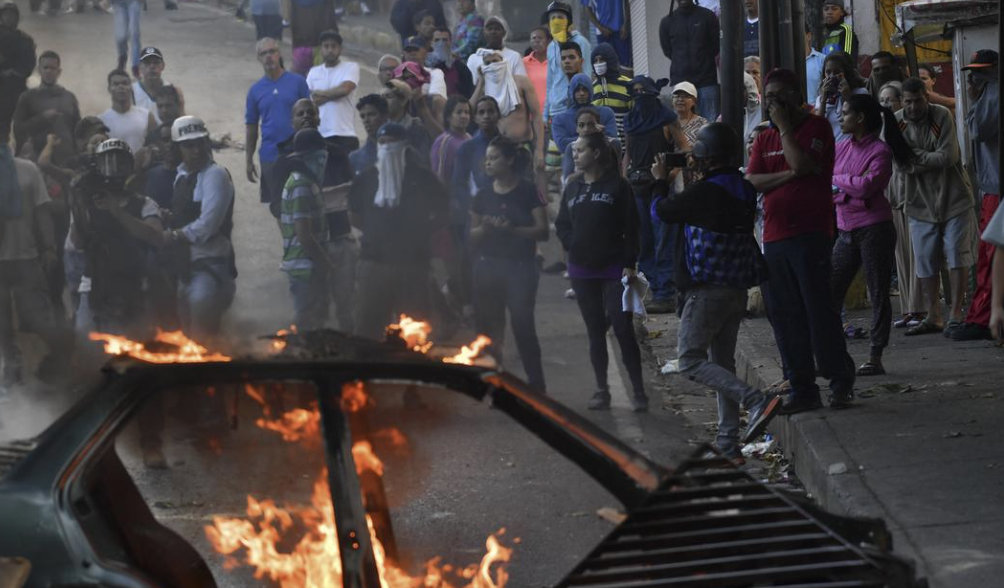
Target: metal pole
{"points": [[768, 42], [798, 41], [784, 35], [731, 55]]}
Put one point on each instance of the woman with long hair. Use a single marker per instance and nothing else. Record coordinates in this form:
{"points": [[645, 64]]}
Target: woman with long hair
{"points": [[866, 234], [456, 118], [840, 81], [598, 227], [507, 221]]}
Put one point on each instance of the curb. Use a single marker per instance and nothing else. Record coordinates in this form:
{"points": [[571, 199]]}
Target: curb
{"points": [[808, 441]]}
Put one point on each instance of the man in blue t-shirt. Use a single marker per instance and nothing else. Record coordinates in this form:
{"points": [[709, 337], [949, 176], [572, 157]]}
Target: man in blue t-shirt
{"points": [[270, 104], [612, 19]]}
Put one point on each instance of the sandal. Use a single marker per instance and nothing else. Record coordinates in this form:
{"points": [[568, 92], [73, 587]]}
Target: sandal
{"points": [[869, 368], [924, 328]]}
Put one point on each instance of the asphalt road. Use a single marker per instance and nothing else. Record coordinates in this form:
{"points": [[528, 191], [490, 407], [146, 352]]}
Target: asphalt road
{"points": [[470, 472]]}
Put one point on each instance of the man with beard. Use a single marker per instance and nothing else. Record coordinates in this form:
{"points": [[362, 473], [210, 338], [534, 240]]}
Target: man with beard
{"points": [[17, 60], [517, 101], [495, 32], [150, 82], [884, 70], [373, 111], [47, 109], [332, 85], [398, 204]]}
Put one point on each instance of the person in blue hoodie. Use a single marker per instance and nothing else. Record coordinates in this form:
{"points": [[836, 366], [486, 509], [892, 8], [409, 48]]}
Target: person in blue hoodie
{"points": [[580, 95], [717, 260]]}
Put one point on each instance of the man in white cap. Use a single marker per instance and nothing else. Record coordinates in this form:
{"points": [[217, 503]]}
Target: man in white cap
{"points": [[146, 88], [495, 32], [199, 236]]}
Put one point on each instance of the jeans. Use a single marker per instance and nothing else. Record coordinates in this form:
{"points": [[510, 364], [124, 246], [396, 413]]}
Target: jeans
{"points": [[23, 295], [805, 319], [310, 299], [127, 28], [874, 248], [344, 253], [267, 25], [710, 322], [655, 259], [501, 284], [387, 291], [600, 304], [709, 102], [204, 298]]}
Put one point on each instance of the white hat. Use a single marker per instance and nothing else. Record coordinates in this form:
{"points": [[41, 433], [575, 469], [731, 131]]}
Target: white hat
{"points": [[186, 128], [685, 87]]}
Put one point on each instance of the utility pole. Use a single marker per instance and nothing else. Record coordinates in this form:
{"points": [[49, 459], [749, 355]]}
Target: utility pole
{"points": [[731, 63]]}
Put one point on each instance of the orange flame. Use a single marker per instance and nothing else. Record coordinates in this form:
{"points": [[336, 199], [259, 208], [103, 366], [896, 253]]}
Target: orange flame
{"points": [[468, 354], [354, 397], [296, 425], [182, 349], [279, 341], [415, 333]]}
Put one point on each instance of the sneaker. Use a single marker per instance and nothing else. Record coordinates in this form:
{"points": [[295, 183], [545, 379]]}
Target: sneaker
{"points": [[841, 400], [599, 401], [570, 294], [153, 458], [795, 405], [950, 327], [666, 306], [639, 402], [760, 416], [970, 332]]}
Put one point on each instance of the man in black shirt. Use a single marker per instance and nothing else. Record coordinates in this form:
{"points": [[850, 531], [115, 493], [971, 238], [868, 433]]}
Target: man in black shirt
{"points": [[398, 204], [689, 38]]}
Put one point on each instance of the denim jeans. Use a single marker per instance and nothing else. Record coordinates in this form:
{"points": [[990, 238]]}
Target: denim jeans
{"points": [[709, 102], [501, 284], [127, 14], [310, 299], [204, 298], [655, 258], [23, 295], [805, 319], [344, 253], [710, 323]]}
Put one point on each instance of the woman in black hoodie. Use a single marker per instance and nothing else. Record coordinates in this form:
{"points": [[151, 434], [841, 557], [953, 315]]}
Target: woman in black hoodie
{"points": [[598, 226]]}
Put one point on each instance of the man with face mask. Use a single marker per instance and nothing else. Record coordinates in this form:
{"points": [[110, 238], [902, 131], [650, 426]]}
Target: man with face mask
{"points": [[304, 258], [398, 205], [17, 60], [495, 32], [717, 261], [884, 70], [559, 18], [689, 38], [517, 102], [792, 165], [612, 88], [455, 73]]}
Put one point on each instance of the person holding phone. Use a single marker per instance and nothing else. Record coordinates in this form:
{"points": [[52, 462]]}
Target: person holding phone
{"points": [[840, 81]]}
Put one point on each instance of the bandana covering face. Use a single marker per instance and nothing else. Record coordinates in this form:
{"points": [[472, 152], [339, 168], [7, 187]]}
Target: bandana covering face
{"points": [[559, 29], [499, 83], [390, 173]]}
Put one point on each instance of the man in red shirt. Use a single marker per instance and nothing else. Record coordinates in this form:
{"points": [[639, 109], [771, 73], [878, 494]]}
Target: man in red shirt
{"points": [[792, 165]]}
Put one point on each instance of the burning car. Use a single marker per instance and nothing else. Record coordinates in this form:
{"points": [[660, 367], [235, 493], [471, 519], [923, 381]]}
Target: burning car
{"points": [[345, 422]]}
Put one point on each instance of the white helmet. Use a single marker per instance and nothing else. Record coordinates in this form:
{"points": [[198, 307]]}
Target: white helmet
{"points": [[186, 128], [114, 158]]}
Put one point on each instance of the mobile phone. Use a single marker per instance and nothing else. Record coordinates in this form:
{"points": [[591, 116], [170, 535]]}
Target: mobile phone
{"points": [[675, 159]]}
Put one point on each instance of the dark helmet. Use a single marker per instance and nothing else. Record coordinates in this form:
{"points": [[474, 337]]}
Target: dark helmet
{"points": [[716, 139], [307, 140], [559, 6], [114, 159]]}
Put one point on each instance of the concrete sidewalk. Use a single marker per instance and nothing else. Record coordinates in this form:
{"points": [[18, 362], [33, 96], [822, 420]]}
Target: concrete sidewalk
{"points": [[923, 449]]}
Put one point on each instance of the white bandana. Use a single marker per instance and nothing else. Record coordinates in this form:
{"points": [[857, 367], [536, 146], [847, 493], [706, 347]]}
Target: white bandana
{"points": [[390, 173], [499, 83]]}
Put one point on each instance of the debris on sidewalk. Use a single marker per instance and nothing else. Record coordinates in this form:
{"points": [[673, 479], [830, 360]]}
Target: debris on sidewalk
{"points": [[672, 367], [611, 515], [758, 449], [836, 469], [886, 388]]}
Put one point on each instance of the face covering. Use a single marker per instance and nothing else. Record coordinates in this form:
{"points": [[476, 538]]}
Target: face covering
{"points": [[500, 85], [559, 29], [600, 68], [390, 173], [315, 161], [441, 52]]}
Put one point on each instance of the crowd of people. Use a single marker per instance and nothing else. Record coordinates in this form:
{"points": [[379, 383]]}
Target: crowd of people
{"points": [[473, 150]]}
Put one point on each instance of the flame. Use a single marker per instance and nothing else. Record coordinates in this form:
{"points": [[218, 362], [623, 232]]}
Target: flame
{"points": [[415, 333], [182, 349], [469, 353], [354, 397], [315, 561], [279, 341]]}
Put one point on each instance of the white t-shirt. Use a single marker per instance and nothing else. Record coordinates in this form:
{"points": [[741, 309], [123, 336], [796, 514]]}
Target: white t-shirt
{"points": [[131, 127], [337, 116], [515, 61], [144, 100]]}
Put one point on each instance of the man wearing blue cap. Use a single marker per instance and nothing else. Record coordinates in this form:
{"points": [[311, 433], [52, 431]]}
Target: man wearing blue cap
{"points": [[398, 204]]}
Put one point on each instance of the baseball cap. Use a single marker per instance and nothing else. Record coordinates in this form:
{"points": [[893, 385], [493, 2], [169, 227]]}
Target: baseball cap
{"points": [[394, 130], [983, 59], [306, 140], [499, 20], [837, 3], [416, 42], [686, 87], [150, 52], [186, 128]]}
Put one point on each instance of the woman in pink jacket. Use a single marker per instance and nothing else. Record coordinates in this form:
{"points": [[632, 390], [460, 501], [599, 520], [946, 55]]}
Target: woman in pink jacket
{"points": [[866, 235]]}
